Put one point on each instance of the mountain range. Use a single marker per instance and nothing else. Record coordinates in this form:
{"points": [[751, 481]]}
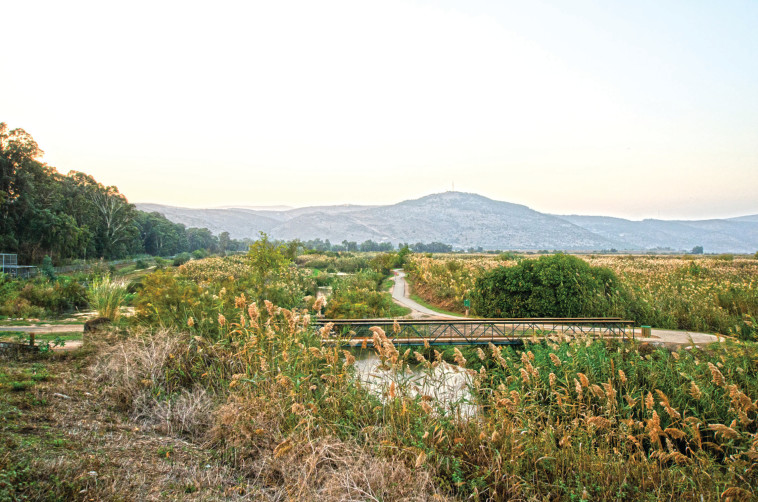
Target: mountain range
{"points": [[467, 220]]}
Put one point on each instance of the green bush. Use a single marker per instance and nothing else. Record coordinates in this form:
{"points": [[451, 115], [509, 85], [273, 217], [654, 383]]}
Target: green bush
{"points": [[165, 299], [345, 262], [358, 296], [40, 298], [181, 259], [551, 286], [385, 262], [746, 329], [107, 297], [47, 268]]}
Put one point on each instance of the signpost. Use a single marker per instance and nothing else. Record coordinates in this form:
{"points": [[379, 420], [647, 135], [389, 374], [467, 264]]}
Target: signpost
{"points": [[467, 304]]}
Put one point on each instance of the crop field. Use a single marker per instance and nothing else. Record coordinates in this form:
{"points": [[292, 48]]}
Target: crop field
{"points": [[710, 294], [211, 372]]}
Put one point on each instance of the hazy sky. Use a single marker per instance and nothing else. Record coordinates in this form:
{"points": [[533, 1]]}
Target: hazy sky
{"points": [[634, 109]]}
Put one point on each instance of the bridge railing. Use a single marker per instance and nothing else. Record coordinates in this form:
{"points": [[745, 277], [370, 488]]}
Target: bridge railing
{"points": [[507, 331]]}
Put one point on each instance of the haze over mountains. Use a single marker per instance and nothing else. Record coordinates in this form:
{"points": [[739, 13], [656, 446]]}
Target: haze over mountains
{"points": [[467, 220]]}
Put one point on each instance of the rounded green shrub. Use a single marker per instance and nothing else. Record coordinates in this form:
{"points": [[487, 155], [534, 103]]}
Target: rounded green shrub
{"points": [[181, 259], [551, 286]]}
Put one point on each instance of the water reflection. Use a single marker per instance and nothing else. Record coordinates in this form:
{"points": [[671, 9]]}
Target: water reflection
{"points": [[447, 384]]}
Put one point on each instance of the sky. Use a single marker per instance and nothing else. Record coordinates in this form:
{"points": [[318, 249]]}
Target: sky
{"points": [[644, 109]]}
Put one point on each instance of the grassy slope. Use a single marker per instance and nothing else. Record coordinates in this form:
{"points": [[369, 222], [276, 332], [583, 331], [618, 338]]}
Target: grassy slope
{"points": [[63, 440], [422, 301]]}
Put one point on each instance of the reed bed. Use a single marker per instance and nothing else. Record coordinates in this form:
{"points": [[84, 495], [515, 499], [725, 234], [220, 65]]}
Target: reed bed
{"points": [[559, 419], [712, 294], [107, 296], [562, 420]]}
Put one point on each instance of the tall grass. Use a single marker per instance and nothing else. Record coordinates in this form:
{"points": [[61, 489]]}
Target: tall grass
{"points": [[107, 296], [560, 420], [563, 419], [286, 406], [703, 294]]}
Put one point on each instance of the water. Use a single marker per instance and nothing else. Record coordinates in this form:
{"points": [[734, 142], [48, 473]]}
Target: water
{"points": [[447, 384]]}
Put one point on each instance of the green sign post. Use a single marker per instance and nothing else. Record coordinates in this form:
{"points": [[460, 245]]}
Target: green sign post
{"points": [[467, 303]]}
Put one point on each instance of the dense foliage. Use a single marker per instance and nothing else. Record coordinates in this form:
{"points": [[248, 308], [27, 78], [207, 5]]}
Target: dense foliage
{"points": [[448, 281], [372, 246], [184, 296], [40, 297], [551, 286], [43, 212], [559, 420], [713, 294], [359, 296]]}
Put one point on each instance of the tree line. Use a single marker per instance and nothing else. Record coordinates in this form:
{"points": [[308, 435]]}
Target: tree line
{"points": [[370, 245], [72, 216]]}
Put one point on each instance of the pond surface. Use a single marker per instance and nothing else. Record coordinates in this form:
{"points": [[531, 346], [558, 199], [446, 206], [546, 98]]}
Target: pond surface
{"points": [[447, 384]]}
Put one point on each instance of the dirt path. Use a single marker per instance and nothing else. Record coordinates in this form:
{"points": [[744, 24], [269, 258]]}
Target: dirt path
{"points": [[401, 292], [675, 337]]}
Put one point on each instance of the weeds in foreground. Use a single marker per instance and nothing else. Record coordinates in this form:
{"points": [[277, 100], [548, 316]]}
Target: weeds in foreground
{"points": [[107, 296], [275, 401], [560, 420]]}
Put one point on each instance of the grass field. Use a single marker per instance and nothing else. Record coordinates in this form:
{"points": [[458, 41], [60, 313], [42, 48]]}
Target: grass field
{"points": [[710, 294], [209, 393]]}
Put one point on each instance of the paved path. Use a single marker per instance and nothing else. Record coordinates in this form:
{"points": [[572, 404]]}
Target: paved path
{"points": [[401, 292], [46, 328], [51, 328], [675, 337]]}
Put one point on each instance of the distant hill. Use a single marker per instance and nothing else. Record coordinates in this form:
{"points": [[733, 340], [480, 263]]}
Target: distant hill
{"points": [[240, 223], [750, 218], [467, 220], [257, 208], [716, 236]]}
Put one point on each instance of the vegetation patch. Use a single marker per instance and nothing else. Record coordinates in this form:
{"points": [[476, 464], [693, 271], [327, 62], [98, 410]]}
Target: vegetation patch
{"points": [[670, 292], [550, 286]]}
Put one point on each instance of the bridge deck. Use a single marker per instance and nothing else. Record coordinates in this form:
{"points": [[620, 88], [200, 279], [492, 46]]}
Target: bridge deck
{"points": [[471, 331]]}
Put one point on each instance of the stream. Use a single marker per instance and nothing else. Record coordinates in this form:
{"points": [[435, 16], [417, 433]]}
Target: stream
{"points": [[447, 384]]}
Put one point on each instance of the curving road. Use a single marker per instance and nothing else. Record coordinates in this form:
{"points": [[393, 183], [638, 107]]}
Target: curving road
{"points": [[401, 292]]}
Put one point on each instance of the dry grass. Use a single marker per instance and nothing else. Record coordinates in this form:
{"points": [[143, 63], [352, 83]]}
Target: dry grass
{"points": [[109, 438], [302, 467], [253, 433], [63, 439], [256, 408], [128, 366]]}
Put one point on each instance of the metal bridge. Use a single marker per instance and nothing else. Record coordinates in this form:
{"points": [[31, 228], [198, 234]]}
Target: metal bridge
{"points": [[402, 332]]}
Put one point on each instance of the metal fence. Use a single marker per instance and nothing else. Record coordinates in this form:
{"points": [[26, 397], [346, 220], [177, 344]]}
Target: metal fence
{"points": [[472, 331], [9, 265]]}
